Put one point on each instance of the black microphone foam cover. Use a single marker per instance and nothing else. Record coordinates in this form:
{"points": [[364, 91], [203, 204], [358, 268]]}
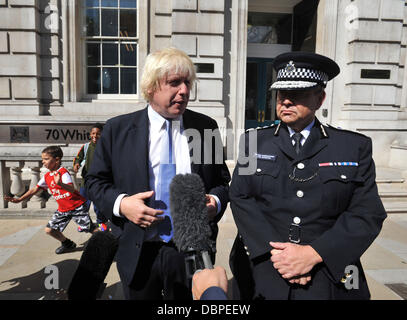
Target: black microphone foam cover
{"points": [[189, 213]]}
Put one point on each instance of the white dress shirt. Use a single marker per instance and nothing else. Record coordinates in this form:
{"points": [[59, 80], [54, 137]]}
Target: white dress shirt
{"points": [[305, 133], [157, 129]]}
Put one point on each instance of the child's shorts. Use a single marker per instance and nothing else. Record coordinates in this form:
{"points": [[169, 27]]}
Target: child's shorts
{"points": [[80, 215]]}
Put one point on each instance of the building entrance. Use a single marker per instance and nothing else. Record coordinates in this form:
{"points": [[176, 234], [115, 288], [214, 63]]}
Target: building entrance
{"points": [[260, 100]]}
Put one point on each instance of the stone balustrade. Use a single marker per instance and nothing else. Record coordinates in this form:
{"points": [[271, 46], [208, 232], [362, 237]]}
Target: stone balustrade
{"points": [[19, 175]]}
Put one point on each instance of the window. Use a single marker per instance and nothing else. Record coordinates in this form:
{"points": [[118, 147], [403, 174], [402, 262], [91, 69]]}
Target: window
{"points": [[111, 46], [269, 28]]}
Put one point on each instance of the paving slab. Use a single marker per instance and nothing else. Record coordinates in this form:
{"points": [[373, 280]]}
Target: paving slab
{"points": [[26, 252]]}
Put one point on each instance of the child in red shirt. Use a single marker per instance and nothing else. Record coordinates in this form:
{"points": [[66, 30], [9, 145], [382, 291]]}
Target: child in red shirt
{"points": [[70, 202]]}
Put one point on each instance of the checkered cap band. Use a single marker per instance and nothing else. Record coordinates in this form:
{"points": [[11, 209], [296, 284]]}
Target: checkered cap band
{"points": [[302, 74]]}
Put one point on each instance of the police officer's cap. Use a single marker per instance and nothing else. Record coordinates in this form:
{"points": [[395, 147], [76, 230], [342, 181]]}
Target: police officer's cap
{"points": [[303, 70]]}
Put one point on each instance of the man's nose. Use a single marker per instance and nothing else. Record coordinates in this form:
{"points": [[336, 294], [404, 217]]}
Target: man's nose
{"points": [[183, 88], [287, 101]]}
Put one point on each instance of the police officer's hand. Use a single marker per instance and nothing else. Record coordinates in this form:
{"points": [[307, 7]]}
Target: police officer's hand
{"points": [[134, 209], [302, 280], [292, 260]]}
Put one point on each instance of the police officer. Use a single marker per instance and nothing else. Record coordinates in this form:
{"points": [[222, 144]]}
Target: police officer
{"points": [[309, 208]]}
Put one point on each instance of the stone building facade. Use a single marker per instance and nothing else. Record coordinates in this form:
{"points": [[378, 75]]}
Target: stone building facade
{"points": [[66, 64]]}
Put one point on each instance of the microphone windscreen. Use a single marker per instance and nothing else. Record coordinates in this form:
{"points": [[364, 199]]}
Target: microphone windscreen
{"points": [[93, 266], [189, 213]]}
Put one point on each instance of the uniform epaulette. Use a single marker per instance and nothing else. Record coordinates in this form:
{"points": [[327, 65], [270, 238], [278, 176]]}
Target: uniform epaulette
{"points": [[344, 130], [261, 128]]}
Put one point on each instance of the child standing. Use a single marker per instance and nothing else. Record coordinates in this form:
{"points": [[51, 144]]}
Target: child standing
{"points": [[71, 205], [84, 158]]}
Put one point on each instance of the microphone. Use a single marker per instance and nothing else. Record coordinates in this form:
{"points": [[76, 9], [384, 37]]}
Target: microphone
{"points": [[93, 267], [191, 224]]}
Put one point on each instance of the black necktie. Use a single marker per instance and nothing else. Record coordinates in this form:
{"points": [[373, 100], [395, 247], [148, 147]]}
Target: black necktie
{"points": [[297, 139]]}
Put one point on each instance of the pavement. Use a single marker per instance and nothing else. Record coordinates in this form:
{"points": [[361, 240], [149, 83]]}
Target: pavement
{"points": [[30, 269]]}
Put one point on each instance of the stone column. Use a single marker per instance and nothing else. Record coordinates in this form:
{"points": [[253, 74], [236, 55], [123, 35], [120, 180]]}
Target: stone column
{"points": [[238, 70], [36, 201], [4, 183], [73, 176], [17, 186]]}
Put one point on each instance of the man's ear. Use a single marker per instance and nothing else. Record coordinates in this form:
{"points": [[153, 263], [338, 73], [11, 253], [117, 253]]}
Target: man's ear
{"points": [[321, 99]]}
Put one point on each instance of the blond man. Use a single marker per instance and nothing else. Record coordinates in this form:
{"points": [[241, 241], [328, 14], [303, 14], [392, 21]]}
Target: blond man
{"points": [[126, 180]]}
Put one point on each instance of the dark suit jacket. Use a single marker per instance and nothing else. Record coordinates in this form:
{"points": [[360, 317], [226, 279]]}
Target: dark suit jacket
{"points": [[214, 293], [339, 207], [120, 165]]}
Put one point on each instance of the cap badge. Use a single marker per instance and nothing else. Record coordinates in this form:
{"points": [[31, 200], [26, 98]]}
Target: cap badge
{"points": [[290, 67]]}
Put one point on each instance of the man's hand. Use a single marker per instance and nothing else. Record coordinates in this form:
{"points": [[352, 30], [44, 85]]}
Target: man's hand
{"points": [[134, 209], [207, 278], [292, 260], [212, 207], [302, 280]]}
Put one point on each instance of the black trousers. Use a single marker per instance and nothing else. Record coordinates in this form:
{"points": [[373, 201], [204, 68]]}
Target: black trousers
{"points": [[160, 274]]}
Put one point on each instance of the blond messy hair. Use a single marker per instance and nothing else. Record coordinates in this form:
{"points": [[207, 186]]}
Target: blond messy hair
{"points": [[160, 64]]}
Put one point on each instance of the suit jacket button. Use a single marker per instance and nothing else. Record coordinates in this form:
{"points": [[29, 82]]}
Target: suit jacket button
{"points": [[300, 166], [258, 170], [300, 193]]}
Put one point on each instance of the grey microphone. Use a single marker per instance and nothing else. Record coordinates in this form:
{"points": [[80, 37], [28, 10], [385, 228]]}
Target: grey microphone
{"points": [[191, 224]]}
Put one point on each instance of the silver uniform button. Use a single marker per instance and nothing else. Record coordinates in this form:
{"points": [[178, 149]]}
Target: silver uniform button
{"points": [[297, 220], [300, 193], [258, 170], [344, 177], [300, 166]]}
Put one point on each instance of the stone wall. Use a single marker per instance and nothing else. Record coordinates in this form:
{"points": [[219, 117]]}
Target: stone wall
{"points": [[198, 28], [29, 56], [367, 38]]}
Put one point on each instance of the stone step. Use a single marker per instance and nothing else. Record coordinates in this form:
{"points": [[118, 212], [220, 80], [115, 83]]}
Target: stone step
{"points": [[392, 191], [398, 154], [395, 206], [389, 180], [389, 175]]}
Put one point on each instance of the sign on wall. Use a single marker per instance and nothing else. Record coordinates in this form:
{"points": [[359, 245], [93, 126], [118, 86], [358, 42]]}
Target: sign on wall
{"points": [[52, 133]]}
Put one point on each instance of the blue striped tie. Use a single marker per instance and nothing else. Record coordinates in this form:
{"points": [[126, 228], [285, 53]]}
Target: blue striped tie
{"points": [[166, 173]]}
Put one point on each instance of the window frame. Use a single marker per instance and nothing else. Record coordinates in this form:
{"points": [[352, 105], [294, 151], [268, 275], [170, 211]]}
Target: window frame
{"points": [[140, 41]]}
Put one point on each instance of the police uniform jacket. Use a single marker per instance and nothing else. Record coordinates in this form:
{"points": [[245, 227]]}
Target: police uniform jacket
{"points": [[325, 197]]}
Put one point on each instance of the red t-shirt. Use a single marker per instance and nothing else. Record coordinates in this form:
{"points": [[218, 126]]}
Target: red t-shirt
{"points": [[66, 200]]}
